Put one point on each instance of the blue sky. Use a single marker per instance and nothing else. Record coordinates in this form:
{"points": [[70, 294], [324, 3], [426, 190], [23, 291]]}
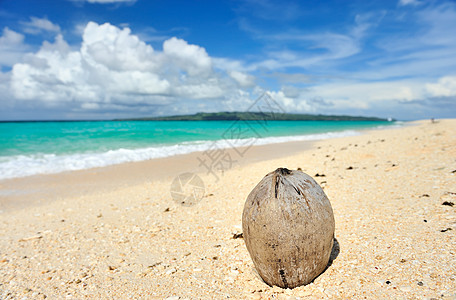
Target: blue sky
{"points": [[103, 59]]}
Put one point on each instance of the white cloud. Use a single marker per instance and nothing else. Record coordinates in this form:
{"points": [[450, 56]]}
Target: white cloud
{"points": [[5, 99], [114, 69], [439, 22], [191, 58], [333, 47], [344, 96], [223, 63], [109, 47], [244, 79], [445, 87], [356, 97], [429, 51], [291, 104], [40, 25], [11, 47], [312, 49], [10, 38]]}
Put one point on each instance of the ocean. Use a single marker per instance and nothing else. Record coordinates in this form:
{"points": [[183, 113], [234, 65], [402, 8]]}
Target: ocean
{"points": [[30, 148]]}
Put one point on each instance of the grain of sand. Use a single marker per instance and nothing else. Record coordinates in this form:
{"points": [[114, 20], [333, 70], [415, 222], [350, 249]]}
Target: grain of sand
{"points": [[395, 238]]}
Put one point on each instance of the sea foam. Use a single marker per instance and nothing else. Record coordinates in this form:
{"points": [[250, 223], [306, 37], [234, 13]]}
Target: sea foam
{"points": [[26, 165]]}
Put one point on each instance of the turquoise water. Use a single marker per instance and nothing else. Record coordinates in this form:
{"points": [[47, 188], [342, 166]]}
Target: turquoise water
{"points": [[28, 148]]}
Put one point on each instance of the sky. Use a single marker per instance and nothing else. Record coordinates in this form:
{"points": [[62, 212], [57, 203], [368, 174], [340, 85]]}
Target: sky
{"points": [[105, 59]]}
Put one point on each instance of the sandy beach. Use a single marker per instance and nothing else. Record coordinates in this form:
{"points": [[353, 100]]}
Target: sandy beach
{"points": [[116, 232]]}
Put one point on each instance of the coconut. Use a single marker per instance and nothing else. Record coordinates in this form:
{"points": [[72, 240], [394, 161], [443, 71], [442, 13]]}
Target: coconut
{"points": [[288, 227]]}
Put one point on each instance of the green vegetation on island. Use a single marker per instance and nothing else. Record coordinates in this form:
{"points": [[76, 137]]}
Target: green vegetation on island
{"points": [[252, 116]]}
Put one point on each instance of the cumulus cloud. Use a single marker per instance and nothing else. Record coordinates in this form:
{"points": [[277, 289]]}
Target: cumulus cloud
{"points": [[406, 99], [114, 69], [40, 25], [445, 87], [11, 47], [10, 38], [244, 79], [116, 73], [291, 103], [190, 58]]}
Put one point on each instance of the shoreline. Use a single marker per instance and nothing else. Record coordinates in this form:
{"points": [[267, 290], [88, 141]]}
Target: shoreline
{"points": [[391, 192], [20, 166], [105, 178], [101, 179]]}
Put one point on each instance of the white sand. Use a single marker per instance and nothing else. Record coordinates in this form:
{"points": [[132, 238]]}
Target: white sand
{"points": [[396, 238]]}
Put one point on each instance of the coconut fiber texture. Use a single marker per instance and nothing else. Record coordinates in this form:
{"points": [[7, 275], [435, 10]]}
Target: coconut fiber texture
{"points": [[288, 226]]}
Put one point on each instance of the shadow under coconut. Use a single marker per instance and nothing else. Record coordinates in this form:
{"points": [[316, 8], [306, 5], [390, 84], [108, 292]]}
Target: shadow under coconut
{"points": [[334, 253]]}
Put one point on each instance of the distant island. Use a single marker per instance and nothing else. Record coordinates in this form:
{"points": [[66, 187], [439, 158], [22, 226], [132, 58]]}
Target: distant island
{"points": [[254, 116]]}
